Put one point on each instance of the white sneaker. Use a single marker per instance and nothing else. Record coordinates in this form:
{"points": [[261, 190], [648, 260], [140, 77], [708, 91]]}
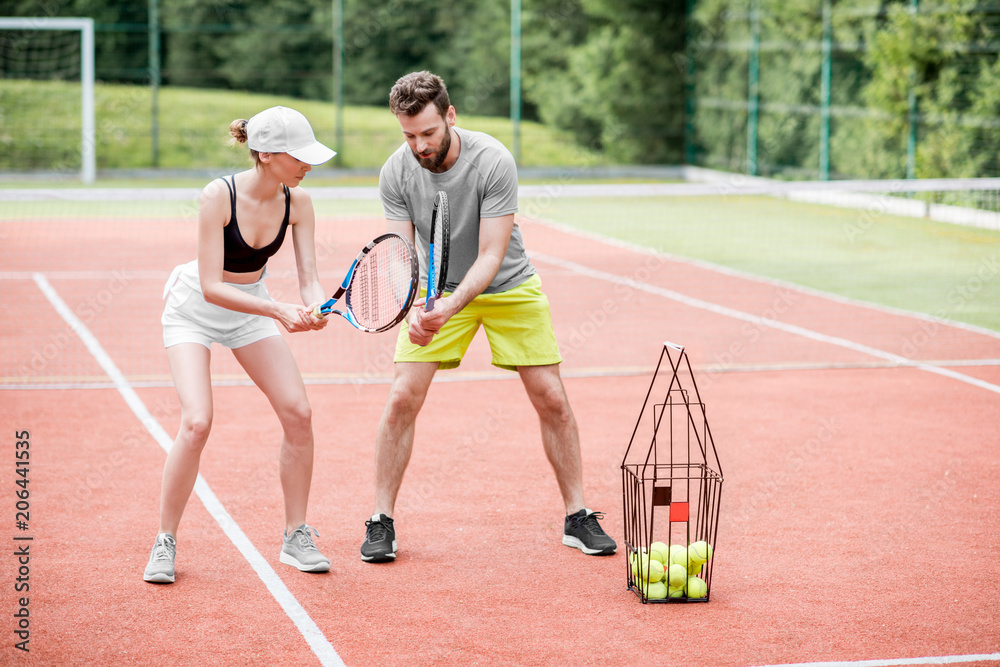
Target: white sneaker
{"points": [[299, 550], [160, 569]]}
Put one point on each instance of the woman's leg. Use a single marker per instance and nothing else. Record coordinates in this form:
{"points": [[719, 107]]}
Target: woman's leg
{"points": [[271, 366], [190, 368]]}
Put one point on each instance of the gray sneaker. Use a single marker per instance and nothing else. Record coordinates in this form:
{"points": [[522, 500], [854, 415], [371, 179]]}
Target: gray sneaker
{"points": [[160, 569], [299, 550]]}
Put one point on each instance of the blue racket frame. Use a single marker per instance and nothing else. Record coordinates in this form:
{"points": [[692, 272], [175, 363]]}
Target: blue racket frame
{"points": [[327, 307]]}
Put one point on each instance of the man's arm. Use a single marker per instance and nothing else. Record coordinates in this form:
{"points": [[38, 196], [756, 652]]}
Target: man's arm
{"points": [[494, 237]]}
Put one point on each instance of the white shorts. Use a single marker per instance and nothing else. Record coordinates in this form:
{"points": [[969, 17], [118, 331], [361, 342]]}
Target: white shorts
{"points": [[188, 318]]}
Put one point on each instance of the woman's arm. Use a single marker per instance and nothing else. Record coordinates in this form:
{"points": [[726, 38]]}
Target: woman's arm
{"points": [[303, 221], [304, 240]]}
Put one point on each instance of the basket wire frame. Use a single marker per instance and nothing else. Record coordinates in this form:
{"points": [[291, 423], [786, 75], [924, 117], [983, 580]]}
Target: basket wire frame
{"points": [[671, 476]]}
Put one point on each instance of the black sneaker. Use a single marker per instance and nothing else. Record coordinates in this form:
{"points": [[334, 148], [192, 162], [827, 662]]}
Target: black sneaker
{"points": [[380, 540], [582, 532]]}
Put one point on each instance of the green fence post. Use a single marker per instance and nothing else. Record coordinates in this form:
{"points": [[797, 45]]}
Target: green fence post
{"points": [[911, 140], [515, 79], [826, 75], [153, 25], [690, 52], [338, 75], [752, 100]]}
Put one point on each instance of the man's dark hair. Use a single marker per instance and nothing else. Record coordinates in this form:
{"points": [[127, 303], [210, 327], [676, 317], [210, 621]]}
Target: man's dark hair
{"points": [[413, 92]]}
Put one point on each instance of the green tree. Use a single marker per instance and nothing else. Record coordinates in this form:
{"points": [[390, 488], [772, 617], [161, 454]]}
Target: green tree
{"points": [[615, 85], [279, 46]]}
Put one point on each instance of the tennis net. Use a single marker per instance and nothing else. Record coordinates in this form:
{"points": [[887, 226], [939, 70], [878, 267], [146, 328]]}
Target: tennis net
{"points": [[734, 267]]}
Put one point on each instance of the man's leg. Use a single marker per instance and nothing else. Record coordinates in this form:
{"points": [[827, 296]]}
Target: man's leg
{"points": [[561, 440], [560, 436], [393, 446]]}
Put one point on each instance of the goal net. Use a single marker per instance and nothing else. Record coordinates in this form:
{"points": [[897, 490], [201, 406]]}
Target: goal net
{"points": [[47, 96]]}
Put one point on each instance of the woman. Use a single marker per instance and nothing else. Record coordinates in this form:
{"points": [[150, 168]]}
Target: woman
{"points": [[221, 297]]}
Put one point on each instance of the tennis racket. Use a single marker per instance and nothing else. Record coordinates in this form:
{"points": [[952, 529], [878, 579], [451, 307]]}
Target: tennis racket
{"points": [[380, 287], [437, 257]]}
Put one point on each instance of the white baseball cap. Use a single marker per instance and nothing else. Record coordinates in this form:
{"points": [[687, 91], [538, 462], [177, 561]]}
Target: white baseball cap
{"points": [[284, 130]]}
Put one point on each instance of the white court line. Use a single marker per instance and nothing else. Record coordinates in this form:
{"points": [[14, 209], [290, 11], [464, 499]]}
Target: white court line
{"points": [[764, 322], [937, 660], [313, 635]]}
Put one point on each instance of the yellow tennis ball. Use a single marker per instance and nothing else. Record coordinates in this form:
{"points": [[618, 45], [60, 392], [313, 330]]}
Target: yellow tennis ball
{"points": [[655, 571], [679, 555], [696, 588], [640, 566], [656, 590], [676, 592], [660, 552], [695, 568], [677, 576], [700, 552]]}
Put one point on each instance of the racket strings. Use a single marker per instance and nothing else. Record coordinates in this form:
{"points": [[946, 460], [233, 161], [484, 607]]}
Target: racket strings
{"points": [[381, 284], [441, 238], [438, 246]]}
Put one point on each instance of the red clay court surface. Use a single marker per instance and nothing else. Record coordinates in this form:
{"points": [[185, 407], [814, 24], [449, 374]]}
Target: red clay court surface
{"points": [[860, 518]]}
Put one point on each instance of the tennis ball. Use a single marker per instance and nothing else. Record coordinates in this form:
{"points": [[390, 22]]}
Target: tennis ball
{"points": [[700, 552], [655, 571], [679, 555], [640, 566], [676, 592], [660, 552], [696, 588], [656, 591], [677, 576], [695, 568]]}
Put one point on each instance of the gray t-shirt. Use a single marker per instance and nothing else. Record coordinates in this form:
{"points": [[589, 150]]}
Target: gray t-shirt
{"points": [[481, 184]]}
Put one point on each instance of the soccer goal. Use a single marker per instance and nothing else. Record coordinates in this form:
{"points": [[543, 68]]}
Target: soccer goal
{"points": [[42, 59]]}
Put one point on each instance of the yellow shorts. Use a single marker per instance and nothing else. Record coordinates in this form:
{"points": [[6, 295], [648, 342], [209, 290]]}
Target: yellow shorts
{"points": [[518, 326]]}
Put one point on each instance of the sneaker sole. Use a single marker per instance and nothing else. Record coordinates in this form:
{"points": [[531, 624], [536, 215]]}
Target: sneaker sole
{"points": [[381, 558], [571, 541], [288, 559], [159, 578]]}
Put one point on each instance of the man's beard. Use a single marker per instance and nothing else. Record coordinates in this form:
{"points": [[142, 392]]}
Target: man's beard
{"points": [[434, 162]]}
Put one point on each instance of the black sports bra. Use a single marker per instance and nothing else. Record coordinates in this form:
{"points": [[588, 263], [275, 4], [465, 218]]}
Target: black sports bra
{"points": [[241, 257]]}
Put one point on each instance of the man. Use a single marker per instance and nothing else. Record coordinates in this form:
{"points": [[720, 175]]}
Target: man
{"points": [[490, 282]]}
